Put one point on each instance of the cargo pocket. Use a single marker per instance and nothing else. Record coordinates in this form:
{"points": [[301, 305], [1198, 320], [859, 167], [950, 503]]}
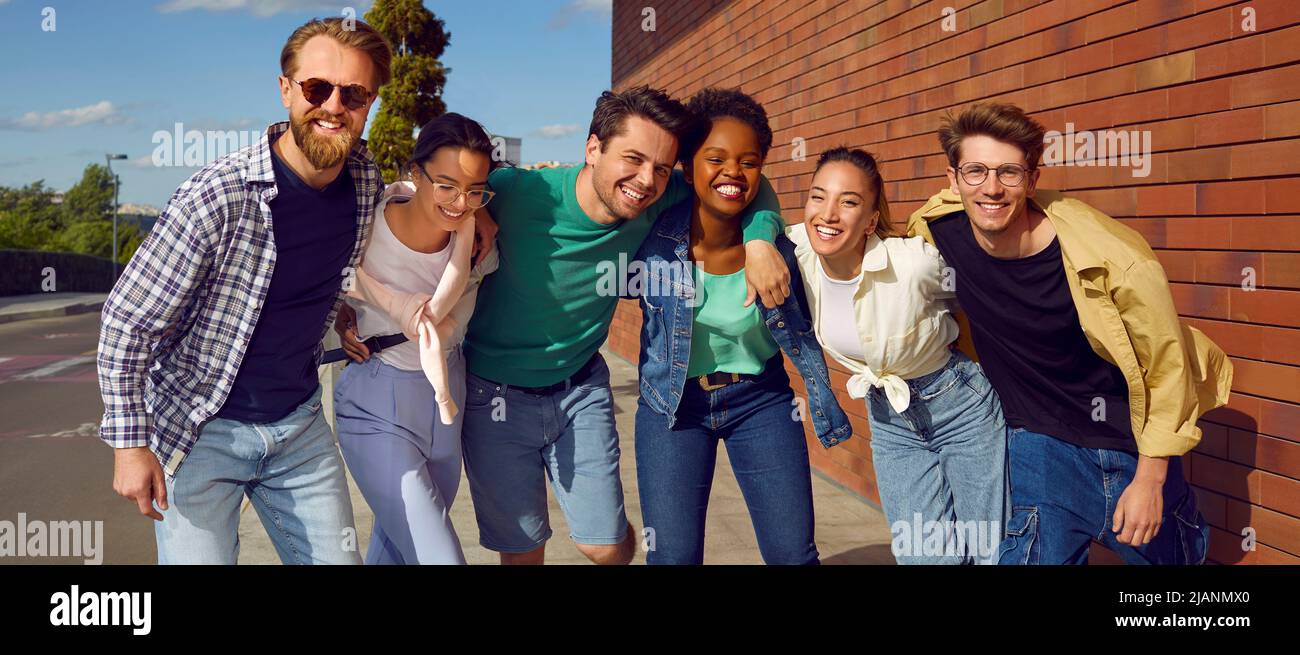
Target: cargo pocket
{"points": [[1020, 545], [1193, 531]]}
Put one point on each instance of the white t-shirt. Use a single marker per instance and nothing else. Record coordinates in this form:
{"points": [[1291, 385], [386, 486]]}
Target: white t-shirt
{"points": [[839, 324], [389, 261]]}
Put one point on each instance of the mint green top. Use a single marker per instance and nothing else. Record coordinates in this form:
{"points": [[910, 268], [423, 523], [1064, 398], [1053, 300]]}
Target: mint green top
{"points": [[726, 336], [548, 307]]}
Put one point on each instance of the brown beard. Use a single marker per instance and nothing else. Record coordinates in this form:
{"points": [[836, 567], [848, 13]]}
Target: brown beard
{"points": [[322, 151]]}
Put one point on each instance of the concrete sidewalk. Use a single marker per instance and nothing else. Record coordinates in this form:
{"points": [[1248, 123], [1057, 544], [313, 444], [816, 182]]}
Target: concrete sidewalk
{"points": [[849, 531], [47, 305]]}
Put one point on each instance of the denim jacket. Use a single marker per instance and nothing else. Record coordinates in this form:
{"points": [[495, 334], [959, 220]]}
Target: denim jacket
{"points": [[665, 286]]}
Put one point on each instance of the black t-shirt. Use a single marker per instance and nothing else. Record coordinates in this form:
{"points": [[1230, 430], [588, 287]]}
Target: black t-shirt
{"points": [[315, 232], [1026, 329]]}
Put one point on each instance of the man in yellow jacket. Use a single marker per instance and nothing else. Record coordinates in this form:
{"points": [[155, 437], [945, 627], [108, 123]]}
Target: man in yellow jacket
{"points": [[1074, 324]]}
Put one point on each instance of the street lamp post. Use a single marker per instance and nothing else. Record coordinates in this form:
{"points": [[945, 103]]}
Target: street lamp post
{"points": [[109, 160]]}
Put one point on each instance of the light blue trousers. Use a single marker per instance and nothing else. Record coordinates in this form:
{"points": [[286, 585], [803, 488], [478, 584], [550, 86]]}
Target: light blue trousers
{"points": [[406, 462]]}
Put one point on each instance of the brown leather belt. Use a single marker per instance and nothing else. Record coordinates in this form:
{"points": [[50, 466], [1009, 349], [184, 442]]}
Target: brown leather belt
{"points": [[715, 381]]}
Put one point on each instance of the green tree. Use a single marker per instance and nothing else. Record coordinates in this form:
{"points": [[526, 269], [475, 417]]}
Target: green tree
{"points": [[19, 231], [414, 95], [28, 216], [90, 199], [29, 219]]}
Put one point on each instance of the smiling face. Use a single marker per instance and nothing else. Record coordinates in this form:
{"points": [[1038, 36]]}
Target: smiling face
{"points": [[465, 169], [632, 170], [993, 206], [325, 134], [725, 170], [841, 210]]}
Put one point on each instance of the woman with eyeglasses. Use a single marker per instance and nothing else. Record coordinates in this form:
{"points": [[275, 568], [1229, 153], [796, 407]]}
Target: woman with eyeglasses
{"points": [[879, 304], [396, 412]]}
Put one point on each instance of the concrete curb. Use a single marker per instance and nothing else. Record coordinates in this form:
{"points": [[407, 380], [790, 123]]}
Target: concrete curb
{"points": [[66, 310]]}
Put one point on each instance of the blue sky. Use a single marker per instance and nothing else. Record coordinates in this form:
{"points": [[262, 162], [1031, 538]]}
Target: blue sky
{"points": [[114, 72]]}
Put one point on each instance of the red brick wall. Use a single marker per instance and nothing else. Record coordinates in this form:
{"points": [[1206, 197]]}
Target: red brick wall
{"points": [[1221, 102]]}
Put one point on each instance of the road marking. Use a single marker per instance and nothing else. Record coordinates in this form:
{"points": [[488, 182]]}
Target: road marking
{"points": [[51, 369], [84, 430]]}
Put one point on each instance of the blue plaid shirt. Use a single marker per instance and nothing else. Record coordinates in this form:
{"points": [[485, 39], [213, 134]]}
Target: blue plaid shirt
{"points": [[176, 325]]}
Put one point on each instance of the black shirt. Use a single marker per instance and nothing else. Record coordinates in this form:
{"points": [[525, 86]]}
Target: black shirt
{"points": [[315, 232], [1026, 329]]}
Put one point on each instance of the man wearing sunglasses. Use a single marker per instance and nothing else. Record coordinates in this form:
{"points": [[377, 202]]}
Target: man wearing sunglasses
{"points": [[209, 342], [1075, 326]]}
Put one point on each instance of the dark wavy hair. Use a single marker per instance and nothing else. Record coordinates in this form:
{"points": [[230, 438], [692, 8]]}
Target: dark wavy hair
{"points": [[456, 131], [612, 109], [711, 104]]}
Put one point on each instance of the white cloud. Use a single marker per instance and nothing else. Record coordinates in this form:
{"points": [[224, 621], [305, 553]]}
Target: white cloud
{"points": [[556, 131], [143, 162], [102, 112], [565, 16], [261, 8]]}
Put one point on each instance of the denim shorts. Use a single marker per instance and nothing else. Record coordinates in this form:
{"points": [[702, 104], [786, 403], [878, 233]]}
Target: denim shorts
{"points": [[514, 440]]}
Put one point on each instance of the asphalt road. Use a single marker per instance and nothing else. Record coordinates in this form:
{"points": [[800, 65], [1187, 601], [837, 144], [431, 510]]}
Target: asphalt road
{"points": [[53, 467]]}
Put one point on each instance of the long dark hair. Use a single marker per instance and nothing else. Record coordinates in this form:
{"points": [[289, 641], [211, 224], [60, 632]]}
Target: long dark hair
{"points": [[456, 131]]}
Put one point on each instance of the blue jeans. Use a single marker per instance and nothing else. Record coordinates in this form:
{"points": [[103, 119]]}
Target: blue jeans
{"points": [[292, 472], [406, 462], [758, 422], [1063, 496], [513, 440], [941, 466]]}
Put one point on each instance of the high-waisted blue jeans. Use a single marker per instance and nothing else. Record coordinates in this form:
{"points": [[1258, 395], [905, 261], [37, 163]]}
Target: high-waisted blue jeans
{"points": [[760, 425], [941, 466]]}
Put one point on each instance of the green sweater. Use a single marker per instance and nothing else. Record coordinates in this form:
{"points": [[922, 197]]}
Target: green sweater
{"points": [[547, 309]]}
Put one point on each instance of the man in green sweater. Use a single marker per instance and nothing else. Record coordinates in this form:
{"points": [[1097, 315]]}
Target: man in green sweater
{"points": [[538, 399]]}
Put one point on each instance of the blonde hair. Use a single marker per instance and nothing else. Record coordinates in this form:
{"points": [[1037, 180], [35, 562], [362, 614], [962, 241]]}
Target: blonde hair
{"points": [[355, 34]]}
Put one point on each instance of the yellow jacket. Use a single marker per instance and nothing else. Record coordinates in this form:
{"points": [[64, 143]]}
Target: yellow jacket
{"points": [[1174, 372]]}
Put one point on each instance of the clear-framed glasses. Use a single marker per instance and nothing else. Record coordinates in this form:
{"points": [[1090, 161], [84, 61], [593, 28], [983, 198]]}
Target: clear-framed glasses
{"points": [[974, 174], [446, 194]]}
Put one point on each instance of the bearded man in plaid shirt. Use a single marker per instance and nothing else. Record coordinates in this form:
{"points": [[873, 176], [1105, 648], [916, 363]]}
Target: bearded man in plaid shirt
{"points": [[210, 341]]}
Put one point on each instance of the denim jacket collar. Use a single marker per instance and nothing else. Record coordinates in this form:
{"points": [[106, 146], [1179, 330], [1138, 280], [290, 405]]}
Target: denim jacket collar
{"points": [[666, 329]]}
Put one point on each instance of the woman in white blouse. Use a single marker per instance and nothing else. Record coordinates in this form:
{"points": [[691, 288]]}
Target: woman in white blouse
{"points": [[880, 307]]}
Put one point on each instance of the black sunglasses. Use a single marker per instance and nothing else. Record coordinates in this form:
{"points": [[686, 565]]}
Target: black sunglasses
{"points": [[317, 91]]}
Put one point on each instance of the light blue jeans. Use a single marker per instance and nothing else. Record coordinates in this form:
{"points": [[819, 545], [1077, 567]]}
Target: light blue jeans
{"points": [[292, 472], [941, 466]]}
